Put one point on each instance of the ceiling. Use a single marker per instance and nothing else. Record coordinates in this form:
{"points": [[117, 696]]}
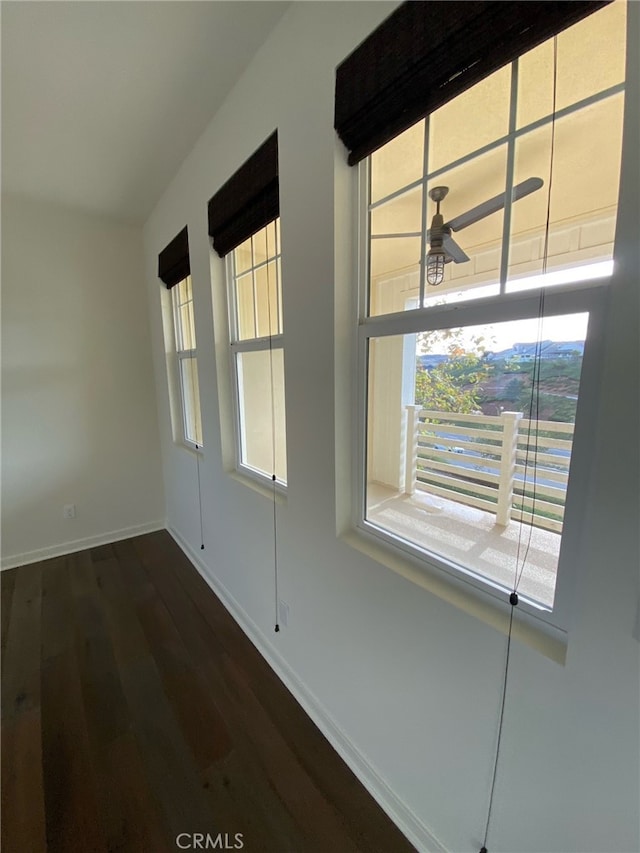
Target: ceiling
{"points": [[102, 101]]}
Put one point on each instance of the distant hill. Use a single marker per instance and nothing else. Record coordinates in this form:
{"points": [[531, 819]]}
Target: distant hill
{"points": [[544, 350], [516, 379]]}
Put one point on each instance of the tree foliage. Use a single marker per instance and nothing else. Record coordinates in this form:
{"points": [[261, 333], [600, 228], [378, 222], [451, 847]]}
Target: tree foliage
{"points": [[467, 382], [454, 385]]}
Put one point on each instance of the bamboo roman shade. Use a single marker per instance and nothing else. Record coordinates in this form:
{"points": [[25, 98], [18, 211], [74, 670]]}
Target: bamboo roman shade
{"points": [[248, 201], [426, 53], [173, 261]]}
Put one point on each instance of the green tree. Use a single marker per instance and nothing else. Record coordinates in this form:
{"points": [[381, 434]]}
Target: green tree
{"points": [[513, 390], [547, 407], [455, 384], [437, 390]]}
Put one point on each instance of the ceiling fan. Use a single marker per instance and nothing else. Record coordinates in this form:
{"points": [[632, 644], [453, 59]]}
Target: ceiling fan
{"points": [[442, 247]]}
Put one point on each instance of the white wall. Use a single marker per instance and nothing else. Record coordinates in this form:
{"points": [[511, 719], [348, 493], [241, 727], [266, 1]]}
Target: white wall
{"points": [[405, 683], [79, 420]]}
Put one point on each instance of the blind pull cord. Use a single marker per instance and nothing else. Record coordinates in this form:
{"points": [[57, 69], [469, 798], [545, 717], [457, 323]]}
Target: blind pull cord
{"points": [[199, 497], [534, 399], [195, 426], [273, 421]]}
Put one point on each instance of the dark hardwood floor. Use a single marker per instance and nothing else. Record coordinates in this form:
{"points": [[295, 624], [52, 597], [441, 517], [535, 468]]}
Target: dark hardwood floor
{"points": [[134, 709]]}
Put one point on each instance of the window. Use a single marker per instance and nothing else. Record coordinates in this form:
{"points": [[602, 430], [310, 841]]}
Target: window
{"points": [[174, 269], [487, 233], [187, 362], [255, 308], [244, 226]]}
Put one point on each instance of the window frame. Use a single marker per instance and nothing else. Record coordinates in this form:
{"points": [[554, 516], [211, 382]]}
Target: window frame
{"points": [[183, 354], [237, 346], [590, 296]]}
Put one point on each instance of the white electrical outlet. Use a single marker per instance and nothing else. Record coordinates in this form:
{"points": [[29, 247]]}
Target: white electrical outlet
{"points": [[69, 511], [283, 614]]}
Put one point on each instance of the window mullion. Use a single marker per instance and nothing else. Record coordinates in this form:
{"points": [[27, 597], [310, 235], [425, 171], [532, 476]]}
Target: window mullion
{"points": [[364, 231], [253, 285], [255, 344], [423, 230], [511, 157], [232, 297], [187, 353], [192, 323], [362, 427], [484, 311], [270, 260], [176, 319], [276, 244]]}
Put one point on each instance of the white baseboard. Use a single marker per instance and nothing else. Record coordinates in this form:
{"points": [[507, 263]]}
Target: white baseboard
{"points": [[78, 545], [414, 829]]}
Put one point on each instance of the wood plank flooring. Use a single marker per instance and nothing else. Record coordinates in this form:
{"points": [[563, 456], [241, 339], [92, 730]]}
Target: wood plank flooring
{"points": [[135, 709]]}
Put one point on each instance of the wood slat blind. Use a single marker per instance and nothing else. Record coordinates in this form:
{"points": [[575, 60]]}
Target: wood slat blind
{"points": [[248, 201], [173, 261], [426, 53]]}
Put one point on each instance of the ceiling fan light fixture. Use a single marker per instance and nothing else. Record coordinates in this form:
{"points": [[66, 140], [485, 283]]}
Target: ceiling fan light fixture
{"points": [[443, 247], [436, 259]]}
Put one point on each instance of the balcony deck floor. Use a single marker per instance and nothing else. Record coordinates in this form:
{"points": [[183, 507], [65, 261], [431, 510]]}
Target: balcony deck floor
{"points": [[470, 537]]}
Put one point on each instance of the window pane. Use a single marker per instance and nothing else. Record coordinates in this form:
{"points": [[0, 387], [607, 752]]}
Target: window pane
{"points": [[261, 382], [279, 295], [591, 58], [182, 290], [242, 257], [183, 315], [584, 193], [455, 466], [473, 119], [398, 163], [267, 297], [271, 239], [264, 244], [401, 215], [258, 293], [259, 243], [470, 185], [245, 307], [394, 274], [191, 400], [186, 337]]}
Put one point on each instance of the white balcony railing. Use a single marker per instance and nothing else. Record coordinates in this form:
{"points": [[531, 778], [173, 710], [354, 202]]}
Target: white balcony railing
{"points": [[507, 465]]}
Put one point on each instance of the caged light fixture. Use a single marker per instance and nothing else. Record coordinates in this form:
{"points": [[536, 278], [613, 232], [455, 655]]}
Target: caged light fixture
{"points": [[436, 256]]}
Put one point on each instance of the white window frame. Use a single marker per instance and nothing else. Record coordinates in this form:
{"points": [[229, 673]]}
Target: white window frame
{"points": [[237, 346], [577, 297], [184, 354]]}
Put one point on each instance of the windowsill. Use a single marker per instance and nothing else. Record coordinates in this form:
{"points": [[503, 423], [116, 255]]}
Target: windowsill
{"points": [[532, 631], [191, 448], [262, 485]]}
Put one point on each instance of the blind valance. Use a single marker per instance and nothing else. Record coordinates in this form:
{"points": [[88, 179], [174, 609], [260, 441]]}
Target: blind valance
{"points": [[426, 53], [248, 201], [173, 261]]}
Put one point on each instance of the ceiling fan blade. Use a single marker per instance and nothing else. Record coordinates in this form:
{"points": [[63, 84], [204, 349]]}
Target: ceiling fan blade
{"points": [[453, 250], [494, 204]]}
